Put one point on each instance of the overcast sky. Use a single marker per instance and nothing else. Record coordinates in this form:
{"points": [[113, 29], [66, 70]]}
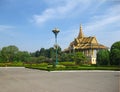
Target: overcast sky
{"points": [[28, 24]]}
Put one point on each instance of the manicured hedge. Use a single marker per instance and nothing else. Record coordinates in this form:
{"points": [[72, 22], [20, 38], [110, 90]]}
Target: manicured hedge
{"points": [[51, 68], [67, 63], [61, 66]]}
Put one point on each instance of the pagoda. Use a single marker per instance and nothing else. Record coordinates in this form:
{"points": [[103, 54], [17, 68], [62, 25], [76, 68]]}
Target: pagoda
{"points": [[89, 46]]}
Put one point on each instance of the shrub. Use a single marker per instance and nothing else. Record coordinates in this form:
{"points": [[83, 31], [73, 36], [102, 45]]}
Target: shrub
{"points": [[58, 67], [43, 64], [115, 54], [103, 57], [67, 63]]}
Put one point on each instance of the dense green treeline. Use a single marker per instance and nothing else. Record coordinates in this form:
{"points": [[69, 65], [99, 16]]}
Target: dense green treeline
{"points": [[112, 57], [12, 54]]}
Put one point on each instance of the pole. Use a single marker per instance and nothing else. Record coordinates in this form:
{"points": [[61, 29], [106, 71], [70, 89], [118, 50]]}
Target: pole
{"points": [[56, 50], [56, 31]]}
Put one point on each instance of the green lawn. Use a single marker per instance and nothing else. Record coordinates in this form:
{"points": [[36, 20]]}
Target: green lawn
{"points": [[61, 66]]}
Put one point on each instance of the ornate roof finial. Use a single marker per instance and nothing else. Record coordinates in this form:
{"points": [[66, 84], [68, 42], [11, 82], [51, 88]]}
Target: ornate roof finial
{"points": [[80, 35]]}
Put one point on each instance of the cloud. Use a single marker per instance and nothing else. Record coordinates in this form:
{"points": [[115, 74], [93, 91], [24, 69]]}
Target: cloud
{"points": [[61, 11], [5, 28], [102, 23], [8, 31], [111, 16], [105, 26]]}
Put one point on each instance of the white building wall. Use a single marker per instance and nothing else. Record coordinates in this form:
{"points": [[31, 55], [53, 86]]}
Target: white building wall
{"points": [[93, 60]]}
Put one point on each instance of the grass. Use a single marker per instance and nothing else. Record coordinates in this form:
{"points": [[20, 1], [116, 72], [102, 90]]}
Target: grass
{"points": [[61, 66], [14, 64]]}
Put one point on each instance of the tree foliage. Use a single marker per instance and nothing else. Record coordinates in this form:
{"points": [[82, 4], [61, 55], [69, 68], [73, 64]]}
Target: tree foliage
{"points": [[115, 53], [12, 54], [9, 53], [103, 57], [22, 56], [79, 58], [67, 57]]}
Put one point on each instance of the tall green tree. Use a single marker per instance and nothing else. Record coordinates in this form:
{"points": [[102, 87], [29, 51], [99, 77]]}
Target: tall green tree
{"points": [[41, 59], [59, 50], [115, 53], [42, 52], [51, 52], [37, 53], [8, 53], [67, 57], [103, 57], [1, 59], [22, 56], [79, 58]]}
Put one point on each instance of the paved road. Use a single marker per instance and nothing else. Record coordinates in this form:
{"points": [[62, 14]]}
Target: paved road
{"points": [[28, 80]]}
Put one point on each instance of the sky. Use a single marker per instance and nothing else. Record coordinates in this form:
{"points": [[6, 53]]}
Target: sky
{"points": [[28, 24]]}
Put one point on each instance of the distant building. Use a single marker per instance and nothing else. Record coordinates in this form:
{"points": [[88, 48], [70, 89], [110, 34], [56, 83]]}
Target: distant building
{"points": [[87, 45]]}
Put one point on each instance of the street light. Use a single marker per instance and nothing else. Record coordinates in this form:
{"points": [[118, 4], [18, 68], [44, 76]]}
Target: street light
{"points": [[56, 31]]}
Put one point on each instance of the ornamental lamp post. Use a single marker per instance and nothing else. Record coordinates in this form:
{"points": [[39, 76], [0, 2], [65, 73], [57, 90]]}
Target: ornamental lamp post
{"points": [[56, 31]]}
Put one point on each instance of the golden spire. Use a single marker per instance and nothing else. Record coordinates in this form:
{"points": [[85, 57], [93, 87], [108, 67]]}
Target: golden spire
{"points": [[80, 35]]}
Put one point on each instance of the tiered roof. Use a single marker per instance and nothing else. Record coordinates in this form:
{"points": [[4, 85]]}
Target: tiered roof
{"points": [[82, 42]]}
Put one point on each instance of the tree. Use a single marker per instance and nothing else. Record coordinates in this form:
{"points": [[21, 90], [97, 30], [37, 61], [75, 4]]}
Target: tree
{"points": [[41, 59], [42, 52], [8, 53], [67, 57], [51, 52], [23, 56], [37, 53], [1, 59], [79, 58], [115, 53], [59, 50], [103, 57]]}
